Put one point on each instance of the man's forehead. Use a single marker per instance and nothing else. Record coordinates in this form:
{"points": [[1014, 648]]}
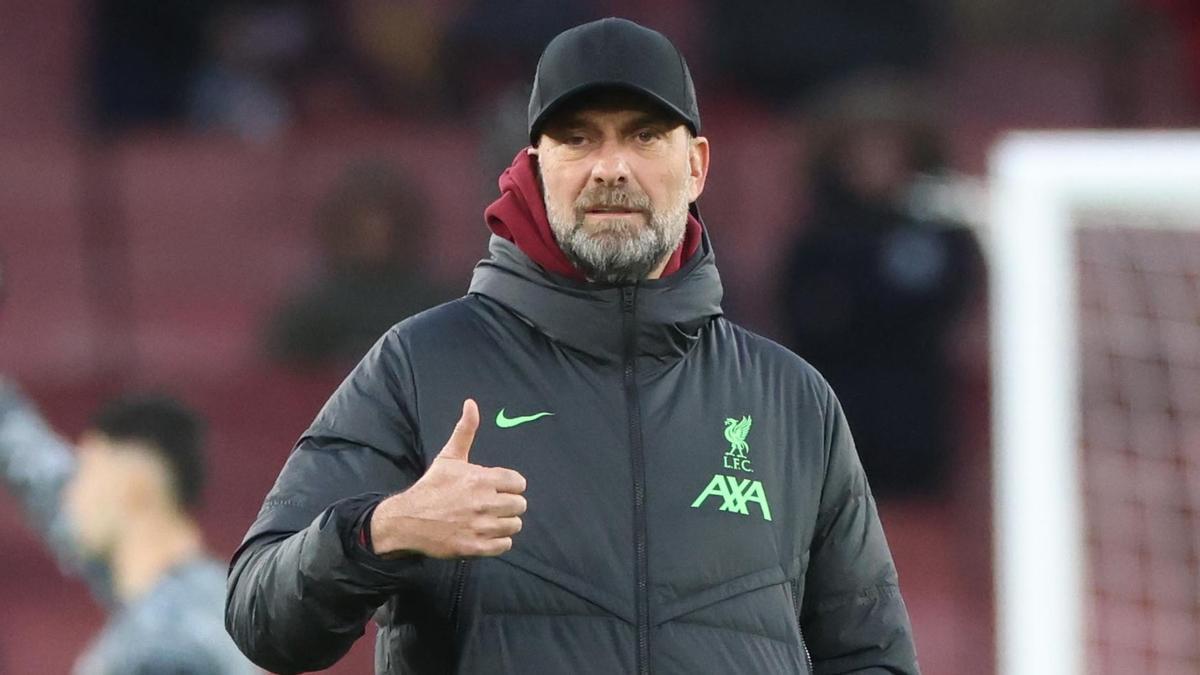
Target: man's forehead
{"points": [[613, 104], [98, 440]]}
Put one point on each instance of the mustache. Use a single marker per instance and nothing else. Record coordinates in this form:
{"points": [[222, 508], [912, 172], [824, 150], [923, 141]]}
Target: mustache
{"points": [[605, 197]]}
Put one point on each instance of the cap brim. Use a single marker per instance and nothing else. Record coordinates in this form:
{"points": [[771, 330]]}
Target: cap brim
{"points": [[535, 129]]}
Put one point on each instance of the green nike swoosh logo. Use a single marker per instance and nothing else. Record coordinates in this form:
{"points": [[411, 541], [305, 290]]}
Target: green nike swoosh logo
{"points": [[507, 422]]}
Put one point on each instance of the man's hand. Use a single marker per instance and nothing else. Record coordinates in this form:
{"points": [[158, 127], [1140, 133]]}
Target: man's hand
{"points": [[457, 509]]}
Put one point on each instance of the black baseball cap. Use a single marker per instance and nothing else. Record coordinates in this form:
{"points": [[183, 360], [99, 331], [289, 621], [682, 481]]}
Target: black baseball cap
{"points": [[614, 53]]}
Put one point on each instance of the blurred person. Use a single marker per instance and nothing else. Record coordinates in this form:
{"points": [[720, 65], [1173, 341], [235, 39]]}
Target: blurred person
{"points": [[373, 235], [144, 56], [503, 130], [393, 52], [254, 53], [490, 45], [804, 46], [118, 513], [695, 503], [875, 281]]}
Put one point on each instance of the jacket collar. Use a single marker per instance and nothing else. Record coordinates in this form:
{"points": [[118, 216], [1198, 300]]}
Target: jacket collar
{"points": [[668, 312]]}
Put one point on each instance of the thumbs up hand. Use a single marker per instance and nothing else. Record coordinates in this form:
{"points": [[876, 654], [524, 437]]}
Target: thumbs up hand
{"points": [[457, 509]]}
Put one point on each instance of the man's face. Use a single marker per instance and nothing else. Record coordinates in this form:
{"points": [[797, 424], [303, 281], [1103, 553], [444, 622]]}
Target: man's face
{"points": [[617, 178], [112, 481], [876, 162]]}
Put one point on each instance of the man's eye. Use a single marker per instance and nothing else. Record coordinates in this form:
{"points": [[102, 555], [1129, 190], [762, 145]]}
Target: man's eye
{"points": [[575, 139], [647, 135]]}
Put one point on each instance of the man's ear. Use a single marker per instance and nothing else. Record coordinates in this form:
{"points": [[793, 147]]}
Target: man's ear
{"points": [[698, 155], [531, 151]]}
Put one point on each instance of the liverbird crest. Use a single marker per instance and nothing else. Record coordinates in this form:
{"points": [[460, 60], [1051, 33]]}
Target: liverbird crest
{"points": [[735, 432]]}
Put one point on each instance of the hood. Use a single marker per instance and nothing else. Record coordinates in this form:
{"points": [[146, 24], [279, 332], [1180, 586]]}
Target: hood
{"points": [[669, 312], [519, 215]]}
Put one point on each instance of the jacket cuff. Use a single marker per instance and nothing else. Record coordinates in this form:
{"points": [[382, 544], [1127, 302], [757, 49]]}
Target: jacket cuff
{"points": [[352, 519]]}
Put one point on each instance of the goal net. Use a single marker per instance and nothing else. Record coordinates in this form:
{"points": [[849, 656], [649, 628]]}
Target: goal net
{"points": [[1095, 292]]}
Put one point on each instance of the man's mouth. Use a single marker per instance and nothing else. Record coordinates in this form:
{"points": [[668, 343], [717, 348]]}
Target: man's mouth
{"points": [[612, 211]]}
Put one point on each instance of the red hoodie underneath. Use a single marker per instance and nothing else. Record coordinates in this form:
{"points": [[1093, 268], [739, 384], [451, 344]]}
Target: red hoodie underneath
{"points": [[519, 215]]}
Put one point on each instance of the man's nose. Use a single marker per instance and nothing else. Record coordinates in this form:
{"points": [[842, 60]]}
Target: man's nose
{"points": [[611, 166]]}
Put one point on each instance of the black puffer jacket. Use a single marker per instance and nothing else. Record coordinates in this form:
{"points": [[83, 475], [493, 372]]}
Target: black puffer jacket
{"points": [[695, 501]]}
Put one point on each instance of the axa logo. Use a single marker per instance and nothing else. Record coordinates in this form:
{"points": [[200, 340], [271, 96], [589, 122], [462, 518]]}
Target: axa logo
{"points": [[736, 493]]}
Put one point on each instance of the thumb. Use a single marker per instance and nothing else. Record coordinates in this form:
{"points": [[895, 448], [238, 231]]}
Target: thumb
{"points": [[459, 445]]}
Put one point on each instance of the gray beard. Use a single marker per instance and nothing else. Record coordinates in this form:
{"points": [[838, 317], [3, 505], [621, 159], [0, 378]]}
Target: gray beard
{"points": [[625, 251]]}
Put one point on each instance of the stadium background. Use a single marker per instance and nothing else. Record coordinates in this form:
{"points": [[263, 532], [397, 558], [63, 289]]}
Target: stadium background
{"points": [[145, 245]]}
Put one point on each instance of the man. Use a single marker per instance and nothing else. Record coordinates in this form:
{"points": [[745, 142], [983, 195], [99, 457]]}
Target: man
{"points": [[118, 515], [694, 500], [877, 286], [370, 228]]}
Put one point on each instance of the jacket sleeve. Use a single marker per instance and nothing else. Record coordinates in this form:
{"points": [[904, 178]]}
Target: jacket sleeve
{"points": [[302, 587], [853, 617]]}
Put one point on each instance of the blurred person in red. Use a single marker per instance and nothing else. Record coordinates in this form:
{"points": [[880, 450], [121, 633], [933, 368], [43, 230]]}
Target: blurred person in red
{"points": [[118, 513], [877, 278], [373, 233]]}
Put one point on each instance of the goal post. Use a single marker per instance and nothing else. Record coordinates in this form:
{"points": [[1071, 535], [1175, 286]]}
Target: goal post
{"points": [[1039, 184]]}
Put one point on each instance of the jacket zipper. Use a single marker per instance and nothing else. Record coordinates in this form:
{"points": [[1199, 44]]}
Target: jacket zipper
{"points": [[803, 642], [642, 595], [460, 585]]}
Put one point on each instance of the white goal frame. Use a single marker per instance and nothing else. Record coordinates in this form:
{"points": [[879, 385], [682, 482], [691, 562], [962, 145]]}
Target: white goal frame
{"points": [[1037, 180]]}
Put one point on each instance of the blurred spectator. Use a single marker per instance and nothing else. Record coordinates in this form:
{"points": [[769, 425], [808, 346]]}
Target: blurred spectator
{"points": [[805, 45], [503, 131], [255, 52], [119, 515], [146, 54], [220, 64], [372, 230], [393, 48], [1025, 22], [874, 284], [256, 67], [493, 45]]}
